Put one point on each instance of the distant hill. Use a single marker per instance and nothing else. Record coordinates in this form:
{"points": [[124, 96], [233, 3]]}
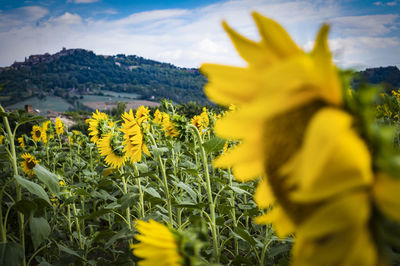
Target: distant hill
{"points": [[388, 77], [74, 72]]}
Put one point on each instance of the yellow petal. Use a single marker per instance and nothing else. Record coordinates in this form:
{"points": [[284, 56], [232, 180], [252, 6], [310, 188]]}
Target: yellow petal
{"points": [[252, 52], [386, 191], [279, 220], [229, 85], [245, 172], [333, 158], [347, 211], [263, 195], [275, 38], [349, 247], [232, 126], [324, 68]]}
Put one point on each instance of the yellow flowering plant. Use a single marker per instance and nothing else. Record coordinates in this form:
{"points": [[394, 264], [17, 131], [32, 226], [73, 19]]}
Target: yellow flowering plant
{"points": [[298, 135]]}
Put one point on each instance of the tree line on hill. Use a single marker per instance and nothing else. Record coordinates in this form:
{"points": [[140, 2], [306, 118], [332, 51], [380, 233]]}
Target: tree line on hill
{"points": [[83, 72]]}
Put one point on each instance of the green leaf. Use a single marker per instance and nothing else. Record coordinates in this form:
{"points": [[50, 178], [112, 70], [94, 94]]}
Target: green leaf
{"points": [[158, 151], [25, 206], [48, 178], [40, 230], [188, 189], [33, 188], [213, 145], [199, 206], [244, 235], [128, 200], [11, 254], [69, 251], [124, 233], [238, 190], [152, 192], [82, 192], [95, 214]]}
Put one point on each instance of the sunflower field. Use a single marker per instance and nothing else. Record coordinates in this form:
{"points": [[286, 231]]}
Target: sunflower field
{"points": [[297, 169]]}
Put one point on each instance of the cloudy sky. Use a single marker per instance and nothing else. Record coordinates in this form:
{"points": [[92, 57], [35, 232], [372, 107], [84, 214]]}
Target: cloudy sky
{"points": [[187, 33]]}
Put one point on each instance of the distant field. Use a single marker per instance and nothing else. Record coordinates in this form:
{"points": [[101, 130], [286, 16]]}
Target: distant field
{"points": [[49, 103], [129, 104], [121, 94], [112, 96]]}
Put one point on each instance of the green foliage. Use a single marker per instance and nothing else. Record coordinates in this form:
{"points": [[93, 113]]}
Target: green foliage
{"points": [[72, 72]]}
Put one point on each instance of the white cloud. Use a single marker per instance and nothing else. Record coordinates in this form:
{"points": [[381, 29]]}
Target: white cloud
{"points": [[82, 1], [392, 3], [26, 15], [188, 37], [370, 25], [67, 18]]}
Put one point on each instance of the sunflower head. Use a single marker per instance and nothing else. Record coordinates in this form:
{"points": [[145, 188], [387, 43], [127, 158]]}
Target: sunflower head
{"points": [[142, 114], [156, 243], [157, 117], [295, 133], [99, 125], [37, 133], [28, 164], [21, 141], [111, 146], [1, 139], [133, 138], [59, 126], [200, 121]]}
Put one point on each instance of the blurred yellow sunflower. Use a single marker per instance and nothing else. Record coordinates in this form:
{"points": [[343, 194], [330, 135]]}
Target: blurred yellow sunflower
{"points": [[99, 124], [59, 126], [28, 164], [134, 142], [21, 142], [157, 246], [142, 114], [110, 146], [1, 139], [37, 133], [316, 170]]}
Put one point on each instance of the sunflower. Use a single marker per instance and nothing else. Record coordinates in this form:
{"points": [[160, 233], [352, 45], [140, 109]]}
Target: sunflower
{"points": [[142, 114], [315, 169], [200, 121], [134, 142], [157, 245], [99, 124], [1, 139], [45, 129], [59, 126], [157, 117], [110, 146], [37, 133], [28, 164], [21, 142]]}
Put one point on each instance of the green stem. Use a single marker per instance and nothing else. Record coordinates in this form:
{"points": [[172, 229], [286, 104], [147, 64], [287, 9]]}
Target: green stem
{"points": [[3, 226], [128, 209], [233, 212], [165, 183], [141, 199], [18, 186], [209, 191], [78, 227]]}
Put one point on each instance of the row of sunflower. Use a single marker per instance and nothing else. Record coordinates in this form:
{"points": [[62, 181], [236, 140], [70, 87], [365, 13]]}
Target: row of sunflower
{"points": [[136, 189], [142, 188]]}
